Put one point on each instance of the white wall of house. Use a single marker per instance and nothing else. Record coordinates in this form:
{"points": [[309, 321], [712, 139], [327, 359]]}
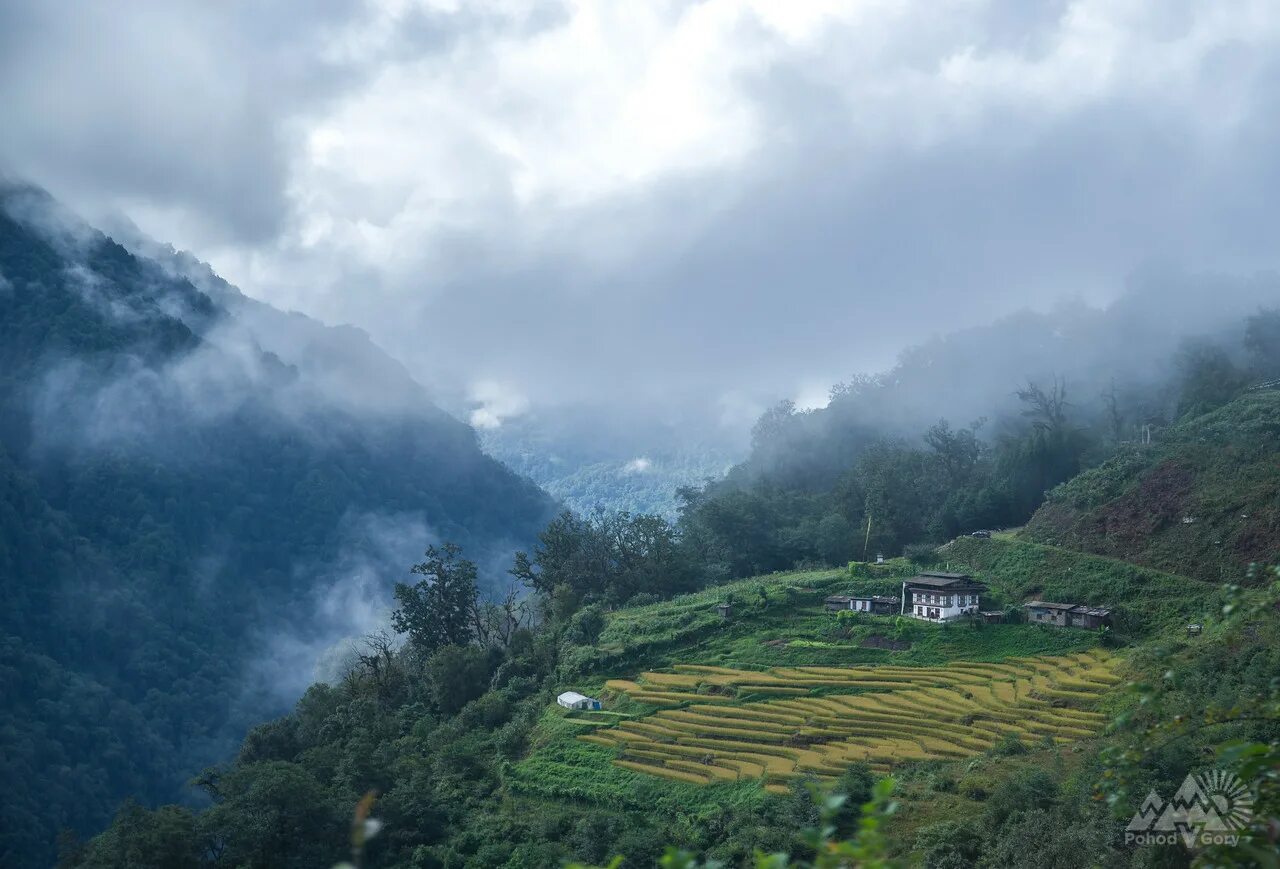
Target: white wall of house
{"points": [[940, 606]]}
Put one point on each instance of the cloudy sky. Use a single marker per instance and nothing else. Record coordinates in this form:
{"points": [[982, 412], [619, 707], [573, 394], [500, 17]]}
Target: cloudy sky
{"points": [[716, 202]]}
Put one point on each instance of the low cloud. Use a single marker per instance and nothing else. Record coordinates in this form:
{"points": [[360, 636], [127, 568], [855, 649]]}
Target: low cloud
{"points": [[351, 599], [694, 205], [637, 466], [494, 403]]}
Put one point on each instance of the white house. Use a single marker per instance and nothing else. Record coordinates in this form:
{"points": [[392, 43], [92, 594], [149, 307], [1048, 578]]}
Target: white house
{"points": [[934, 596], [574, 700]]}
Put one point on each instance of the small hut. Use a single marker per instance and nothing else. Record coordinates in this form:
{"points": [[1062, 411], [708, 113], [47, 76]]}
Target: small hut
{"points": [[574, 700]]}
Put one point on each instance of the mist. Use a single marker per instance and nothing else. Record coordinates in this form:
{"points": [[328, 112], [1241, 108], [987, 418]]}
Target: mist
{"points": [[752, 205]]}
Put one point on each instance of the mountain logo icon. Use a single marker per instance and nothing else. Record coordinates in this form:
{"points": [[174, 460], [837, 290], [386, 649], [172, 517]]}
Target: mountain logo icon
{"points": [[1148, 812], [1212, 802]]}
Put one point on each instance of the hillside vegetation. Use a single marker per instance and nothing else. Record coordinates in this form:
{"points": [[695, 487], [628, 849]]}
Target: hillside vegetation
{"points": [[178, 508], [1201, 501], [999, 735]]}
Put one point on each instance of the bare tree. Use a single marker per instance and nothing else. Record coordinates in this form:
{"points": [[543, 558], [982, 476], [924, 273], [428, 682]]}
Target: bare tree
{"points": [[1046, 410], [496, 621], [1115, 418]]}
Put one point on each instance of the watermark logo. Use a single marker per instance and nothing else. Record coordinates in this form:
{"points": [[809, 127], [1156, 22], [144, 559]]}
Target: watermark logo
{"points": [[1209, 809]]}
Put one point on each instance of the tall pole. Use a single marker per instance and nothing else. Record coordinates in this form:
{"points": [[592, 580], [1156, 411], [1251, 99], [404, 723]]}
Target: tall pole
{"points": [[867, 541]]}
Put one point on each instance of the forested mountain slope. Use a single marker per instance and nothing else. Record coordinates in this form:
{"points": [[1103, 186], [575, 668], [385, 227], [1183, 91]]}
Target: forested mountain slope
{"points": [[591, 459], [191, 498], [712, 728], [1202, 500], [970, 431]]}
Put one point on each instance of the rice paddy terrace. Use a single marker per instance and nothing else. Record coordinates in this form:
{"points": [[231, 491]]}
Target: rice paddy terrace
{"points": [[719, 724]]}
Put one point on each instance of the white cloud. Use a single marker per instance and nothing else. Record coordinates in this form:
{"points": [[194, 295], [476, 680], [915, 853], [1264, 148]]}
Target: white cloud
{"points": [[638, 465], [497, 402]]}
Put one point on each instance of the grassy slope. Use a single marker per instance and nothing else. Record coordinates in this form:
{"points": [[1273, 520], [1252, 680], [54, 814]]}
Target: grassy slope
{"points": [[1147, 602], [1220, 470], [687, 630]]}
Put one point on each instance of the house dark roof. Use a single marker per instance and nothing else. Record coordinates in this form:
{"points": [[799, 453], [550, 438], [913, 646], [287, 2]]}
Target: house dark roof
{"points": [[937, 579], [1100, 612], [1046, 605], [1082, 609]]}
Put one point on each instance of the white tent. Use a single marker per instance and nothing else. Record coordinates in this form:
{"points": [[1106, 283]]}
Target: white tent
{"points": [[574, 700]]}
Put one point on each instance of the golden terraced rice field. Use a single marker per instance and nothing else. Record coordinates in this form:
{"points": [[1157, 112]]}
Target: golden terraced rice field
{"points": [[705, 732]]}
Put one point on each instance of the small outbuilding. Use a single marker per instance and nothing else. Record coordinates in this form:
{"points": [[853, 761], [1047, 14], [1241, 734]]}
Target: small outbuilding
{"points": [[862, 603], [992, 617], [574, 700], [1091, 617], [1043, 612], [725, 610], [1067, 615]]}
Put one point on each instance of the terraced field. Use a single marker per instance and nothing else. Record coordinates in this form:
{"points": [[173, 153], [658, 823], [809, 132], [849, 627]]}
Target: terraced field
{"points": [[718, 723]]}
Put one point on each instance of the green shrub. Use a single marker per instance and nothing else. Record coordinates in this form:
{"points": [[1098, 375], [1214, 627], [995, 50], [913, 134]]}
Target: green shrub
{"points": [[1025, 791], [922, 554], [1008, 746]]}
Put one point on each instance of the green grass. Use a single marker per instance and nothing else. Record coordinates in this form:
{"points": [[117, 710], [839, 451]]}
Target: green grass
{"points": [[688, 631], [1147, 601], [1217, 470], [561, 767]]}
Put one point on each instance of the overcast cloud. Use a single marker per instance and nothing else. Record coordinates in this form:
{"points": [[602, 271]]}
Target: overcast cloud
{"points": [[716, 202]]}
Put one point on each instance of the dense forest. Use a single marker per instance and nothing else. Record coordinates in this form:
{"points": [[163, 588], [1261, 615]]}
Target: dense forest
{"points": [[612, 458], [843, 483], [180, 507]]}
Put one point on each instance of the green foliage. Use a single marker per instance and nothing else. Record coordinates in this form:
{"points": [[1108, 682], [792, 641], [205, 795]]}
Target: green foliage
{"points": [[1009, 745], [922, 554], [890, 495], [867, 848], [156, 535], [608, 557], [949, 845], [457, 675], [439, 610], [586, 625], [1026, 791], [1262, 343], [1200, 502], [1018, 570], [1211, 700], [1207, 378]]}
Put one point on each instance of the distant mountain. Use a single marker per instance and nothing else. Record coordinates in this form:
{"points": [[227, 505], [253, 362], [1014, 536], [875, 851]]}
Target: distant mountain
{"points": [[198, 495], [590, 460], [1127, 348], [1203, 500]]}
